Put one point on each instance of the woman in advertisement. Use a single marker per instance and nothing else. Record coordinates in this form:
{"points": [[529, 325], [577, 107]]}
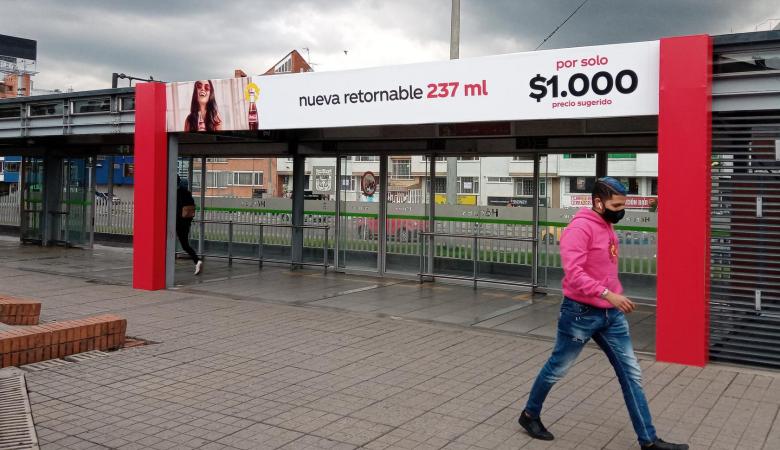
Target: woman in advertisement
{"points": [[204, 115]]}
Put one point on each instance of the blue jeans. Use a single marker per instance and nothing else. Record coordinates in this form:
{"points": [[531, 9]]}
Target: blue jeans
{"points": [[609, 329]]}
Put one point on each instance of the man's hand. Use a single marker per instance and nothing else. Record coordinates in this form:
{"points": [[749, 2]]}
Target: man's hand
{"points": [[620, 302]]}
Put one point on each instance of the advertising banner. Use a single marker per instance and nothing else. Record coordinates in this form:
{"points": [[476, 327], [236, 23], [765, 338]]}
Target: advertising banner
{"points": [[584, 82]]}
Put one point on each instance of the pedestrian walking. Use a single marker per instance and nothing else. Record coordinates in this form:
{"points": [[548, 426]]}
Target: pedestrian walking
{"points": [[185, 212], [594, 307]]}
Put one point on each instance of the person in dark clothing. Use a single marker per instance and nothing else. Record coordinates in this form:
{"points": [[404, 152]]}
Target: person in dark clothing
{"points": [[185, 212]]}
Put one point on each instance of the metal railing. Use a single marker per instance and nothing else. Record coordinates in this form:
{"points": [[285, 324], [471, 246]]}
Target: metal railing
{"points": [[426, 237], [261, 244], [360, 234]]}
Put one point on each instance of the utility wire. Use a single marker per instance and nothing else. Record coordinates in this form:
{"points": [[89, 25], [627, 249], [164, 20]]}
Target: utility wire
{"points": [[562, 24]]}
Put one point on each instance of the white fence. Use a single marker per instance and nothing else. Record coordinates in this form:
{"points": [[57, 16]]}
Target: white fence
{"points": [[9, 209], [113, 218]]}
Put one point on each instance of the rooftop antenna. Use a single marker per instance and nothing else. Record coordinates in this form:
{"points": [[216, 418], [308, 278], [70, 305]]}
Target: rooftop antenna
{"points": [[308, 57]]}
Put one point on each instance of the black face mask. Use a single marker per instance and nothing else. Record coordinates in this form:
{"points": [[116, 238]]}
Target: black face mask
{"points": [[610, 215], [613, 216]]}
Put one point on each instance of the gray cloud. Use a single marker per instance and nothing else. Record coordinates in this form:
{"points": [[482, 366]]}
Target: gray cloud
{"points": [[80, 42]]}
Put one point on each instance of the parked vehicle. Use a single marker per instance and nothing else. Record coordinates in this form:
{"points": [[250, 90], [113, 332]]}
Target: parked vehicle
{"points": [[400, 230], [115, 200]]}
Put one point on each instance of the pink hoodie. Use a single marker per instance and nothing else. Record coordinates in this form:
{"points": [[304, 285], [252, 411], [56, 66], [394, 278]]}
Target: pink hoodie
{"points": [[589, 251]]}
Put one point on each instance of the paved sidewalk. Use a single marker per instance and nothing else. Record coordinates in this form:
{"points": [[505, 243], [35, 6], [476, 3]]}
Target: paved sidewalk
{"points": [[499, 309], [237, 373]]}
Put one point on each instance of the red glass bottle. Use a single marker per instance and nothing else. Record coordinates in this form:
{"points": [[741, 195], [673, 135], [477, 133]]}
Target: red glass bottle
{"points": [[253, 116]]}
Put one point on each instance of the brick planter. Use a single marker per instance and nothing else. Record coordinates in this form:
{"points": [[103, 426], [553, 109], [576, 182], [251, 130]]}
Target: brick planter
{"points": [[37, 343], [16, 311]]}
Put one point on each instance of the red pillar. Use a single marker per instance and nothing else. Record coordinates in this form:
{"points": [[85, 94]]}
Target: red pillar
{"points": [[684, 138], [151, 187]]}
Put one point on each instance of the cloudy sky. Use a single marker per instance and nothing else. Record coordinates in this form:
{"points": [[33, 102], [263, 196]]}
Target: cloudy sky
{"points": [[81, 42]]}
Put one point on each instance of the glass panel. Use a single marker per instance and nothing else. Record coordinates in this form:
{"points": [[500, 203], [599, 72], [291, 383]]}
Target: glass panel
{"points": [[752, 61], [359, 220], [478, 227], [637, 232], [408, 202], [320, 210], [70, 223], [127, 103], [7, 112], [46, 109], [114, 194], [237, 192], [91, 105], [32, 199]]}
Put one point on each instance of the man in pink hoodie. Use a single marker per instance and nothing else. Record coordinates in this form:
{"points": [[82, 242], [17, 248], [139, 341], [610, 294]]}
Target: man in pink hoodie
{"points": [[594, 307]]}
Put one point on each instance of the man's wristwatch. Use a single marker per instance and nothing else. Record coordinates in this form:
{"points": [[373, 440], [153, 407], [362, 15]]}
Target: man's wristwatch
{"points": [[604, 293]]}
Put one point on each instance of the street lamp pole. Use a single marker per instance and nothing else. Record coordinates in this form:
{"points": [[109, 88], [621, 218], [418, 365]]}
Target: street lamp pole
{"points": [[452, 162]]}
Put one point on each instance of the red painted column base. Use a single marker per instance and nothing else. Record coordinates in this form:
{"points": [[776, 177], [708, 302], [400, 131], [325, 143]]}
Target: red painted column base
{"points": [[150, 187]]}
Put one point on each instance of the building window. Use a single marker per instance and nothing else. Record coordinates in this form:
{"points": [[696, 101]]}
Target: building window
{"points": [[468, 185], [247, 178], [468, 158], [401, 169], [215, 179], [348, 182], [528, 158], [439, 185], [427, 158], [631, 184], [91, 105], [581, 185], [216, 160], [524, 187], [499, 179], [46, 109], [654, 186], [578, 155], [362, 158], [284, 67]]}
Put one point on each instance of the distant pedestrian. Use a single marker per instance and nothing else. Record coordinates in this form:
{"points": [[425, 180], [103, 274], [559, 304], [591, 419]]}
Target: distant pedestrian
{"points": [[594, 307], [185, 212]]}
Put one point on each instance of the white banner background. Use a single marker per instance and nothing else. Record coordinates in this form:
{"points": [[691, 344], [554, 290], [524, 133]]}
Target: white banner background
{"points": [[506, 78]]}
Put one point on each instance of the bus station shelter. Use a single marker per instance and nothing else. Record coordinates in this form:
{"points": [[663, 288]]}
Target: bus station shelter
{"points": [[703, 104]]}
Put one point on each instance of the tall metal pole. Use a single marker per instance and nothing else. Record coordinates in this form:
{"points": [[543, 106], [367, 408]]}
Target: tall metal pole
{"points": [[337, 222], [536, 233], [202, 229], [110, 196], [452, 162]]}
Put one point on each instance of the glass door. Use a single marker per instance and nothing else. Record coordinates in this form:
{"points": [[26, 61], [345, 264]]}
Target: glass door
{"points": [[408, 209], [75, 210], [359, 197], [32, 200]]}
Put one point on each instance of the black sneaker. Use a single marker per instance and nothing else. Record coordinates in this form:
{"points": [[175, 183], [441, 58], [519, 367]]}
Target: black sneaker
{"points": [[660, 444], [534, 427]]}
